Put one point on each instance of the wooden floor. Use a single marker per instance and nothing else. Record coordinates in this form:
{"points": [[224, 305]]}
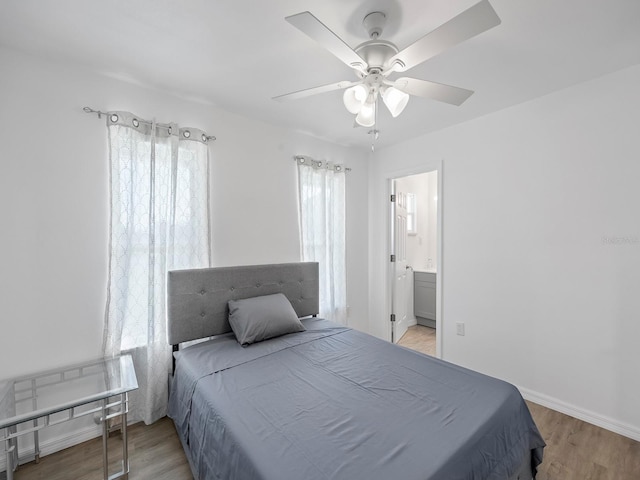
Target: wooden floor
{"points": [[155, 453], [420, 338], [575, 450]]}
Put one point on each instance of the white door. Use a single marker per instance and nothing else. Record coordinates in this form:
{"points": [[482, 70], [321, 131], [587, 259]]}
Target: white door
{"points": [[401, 278]]}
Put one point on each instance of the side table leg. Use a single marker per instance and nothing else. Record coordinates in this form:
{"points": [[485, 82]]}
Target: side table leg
{"points": [[124, 398], [9, 450], [34, 403], [105, 439], [36, 442]]}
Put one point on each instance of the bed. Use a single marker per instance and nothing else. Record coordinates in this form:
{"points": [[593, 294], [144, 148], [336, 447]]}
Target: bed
{"points": [[326, 402]]}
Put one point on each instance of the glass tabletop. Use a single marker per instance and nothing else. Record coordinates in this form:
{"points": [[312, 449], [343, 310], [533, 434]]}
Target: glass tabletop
{"points": [[47, 393]]}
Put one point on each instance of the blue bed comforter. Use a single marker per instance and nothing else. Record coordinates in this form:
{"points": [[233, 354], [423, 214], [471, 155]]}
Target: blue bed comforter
{"points": [[334, 403]]}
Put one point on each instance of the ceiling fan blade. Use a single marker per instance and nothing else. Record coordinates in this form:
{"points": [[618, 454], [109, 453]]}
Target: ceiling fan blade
{"points": [[314, 91], [473, 21], [432, 90], [318, 31]]}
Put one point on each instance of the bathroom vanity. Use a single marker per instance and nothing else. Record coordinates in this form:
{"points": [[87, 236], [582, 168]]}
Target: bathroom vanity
{"points": [[424, 297]]}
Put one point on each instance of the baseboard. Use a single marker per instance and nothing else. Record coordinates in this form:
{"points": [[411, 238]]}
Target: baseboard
{"points": [[602, 421], [55, 444], [426, 322]]}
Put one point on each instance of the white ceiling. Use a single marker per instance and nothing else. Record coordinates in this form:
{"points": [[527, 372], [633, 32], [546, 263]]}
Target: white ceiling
{"points": [[237, 54]]}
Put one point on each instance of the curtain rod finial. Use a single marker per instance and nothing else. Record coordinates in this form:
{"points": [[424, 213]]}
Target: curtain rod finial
{"points": [[91, 110]]}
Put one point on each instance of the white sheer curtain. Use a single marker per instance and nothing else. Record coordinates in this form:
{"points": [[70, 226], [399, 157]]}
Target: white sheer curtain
{"points": [[159, 222], [321, 188]]}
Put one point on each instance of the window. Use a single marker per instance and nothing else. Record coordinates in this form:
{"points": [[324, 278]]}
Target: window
{"points": [[412, 227], [159, 222], [321, 188]]}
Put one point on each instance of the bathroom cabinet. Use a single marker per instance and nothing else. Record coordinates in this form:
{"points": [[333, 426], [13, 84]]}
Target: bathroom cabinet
{"points": [[424, 298]]}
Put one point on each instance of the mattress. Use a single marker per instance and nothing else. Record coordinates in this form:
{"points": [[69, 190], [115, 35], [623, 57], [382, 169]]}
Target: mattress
{"points": [[335, 403]]}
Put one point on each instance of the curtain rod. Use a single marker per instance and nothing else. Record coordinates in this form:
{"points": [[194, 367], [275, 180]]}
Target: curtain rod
{"points": [[303, 158], [100, 113]]}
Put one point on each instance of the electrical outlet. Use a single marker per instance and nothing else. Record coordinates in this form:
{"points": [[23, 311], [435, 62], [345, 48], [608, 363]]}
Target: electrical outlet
{"points": [[460, 328]]}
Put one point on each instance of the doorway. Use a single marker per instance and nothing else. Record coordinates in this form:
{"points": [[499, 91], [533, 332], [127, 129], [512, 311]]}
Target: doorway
{"points": [[415, 270]]}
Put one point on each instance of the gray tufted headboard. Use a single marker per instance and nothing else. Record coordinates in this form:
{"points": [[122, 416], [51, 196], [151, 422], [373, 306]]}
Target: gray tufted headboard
{"points": [[197, 299]]}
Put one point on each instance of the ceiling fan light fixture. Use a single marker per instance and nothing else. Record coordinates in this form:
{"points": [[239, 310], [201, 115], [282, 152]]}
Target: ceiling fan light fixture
{"points": [[376, 59], [395, 100], [354, 98], [367, 115]]}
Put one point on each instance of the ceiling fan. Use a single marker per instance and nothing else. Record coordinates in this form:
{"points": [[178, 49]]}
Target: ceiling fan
{"points": [[375, 60]]}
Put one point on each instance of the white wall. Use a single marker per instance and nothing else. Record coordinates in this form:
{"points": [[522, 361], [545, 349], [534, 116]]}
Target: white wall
{"points": [[422, 247], [417, 244], [54, 203], [431, 205], [541, 247]]}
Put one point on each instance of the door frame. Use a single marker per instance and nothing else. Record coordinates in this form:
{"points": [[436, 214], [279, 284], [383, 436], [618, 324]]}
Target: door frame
{"points": [[390, 177]]}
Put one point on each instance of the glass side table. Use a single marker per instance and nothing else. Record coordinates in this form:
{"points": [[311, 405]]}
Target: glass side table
{"points": [[31, 403]]}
